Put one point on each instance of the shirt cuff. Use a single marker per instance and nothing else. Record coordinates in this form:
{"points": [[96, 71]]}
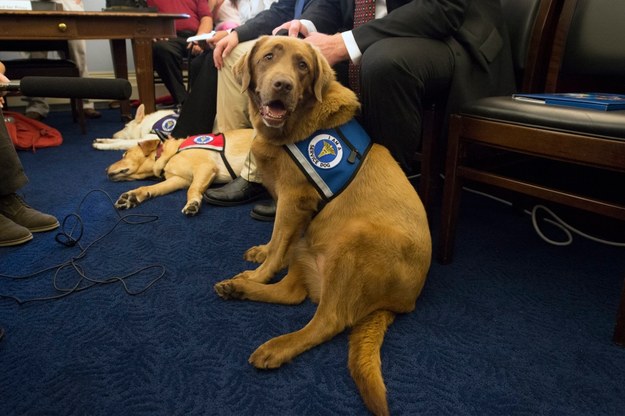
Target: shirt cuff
{"points": [[352, 48]]}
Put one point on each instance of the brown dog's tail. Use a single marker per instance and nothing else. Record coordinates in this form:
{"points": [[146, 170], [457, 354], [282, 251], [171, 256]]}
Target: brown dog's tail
{"points": [[365, 364]]}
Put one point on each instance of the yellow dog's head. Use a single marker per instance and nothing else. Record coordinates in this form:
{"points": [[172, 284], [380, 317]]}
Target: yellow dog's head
{"points": [[145, 160]]}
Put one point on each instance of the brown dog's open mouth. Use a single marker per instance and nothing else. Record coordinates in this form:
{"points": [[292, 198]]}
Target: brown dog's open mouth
{"points": [[274, 113]]}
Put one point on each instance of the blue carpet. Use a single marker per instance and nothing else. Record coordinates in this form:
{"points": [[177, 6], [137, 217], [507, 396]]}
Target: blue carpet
{"points": [[513, 326]]}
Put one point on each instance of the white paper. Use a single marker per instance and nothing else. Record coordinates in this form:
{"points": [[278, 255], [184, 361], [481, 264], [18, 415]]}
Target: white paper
{"points": [[15, 5], [203, 36]]}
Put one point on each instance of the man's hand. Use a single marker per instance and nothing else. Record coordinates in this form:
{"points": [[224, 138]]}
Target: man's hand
{"points": [[331, 46], [195, 48], [219, 35], [294, 28], [224, 47], [3, 79]]}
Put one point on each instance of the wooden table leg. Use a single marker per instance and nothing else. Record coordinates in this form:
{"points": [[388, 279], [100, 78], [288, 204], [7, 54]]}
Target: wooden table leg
{"points": [[120, 68], [142, 49]]}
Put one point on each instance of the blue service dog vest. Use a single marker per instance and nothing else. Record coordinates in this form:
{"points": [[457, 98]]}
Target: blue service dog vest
{"points": [[164, 126], [213, 141], [331, 158]]}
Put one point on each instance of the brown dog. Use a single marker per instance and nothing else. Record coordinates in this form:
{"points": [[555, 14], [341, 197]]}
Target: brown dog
{"points": [[193, 168], [364, 256]]}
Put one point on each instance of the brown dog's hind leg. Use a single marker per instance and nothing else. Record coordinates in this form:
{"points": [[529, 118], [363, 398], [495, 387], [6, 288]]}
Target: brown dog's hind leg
{"points": [[202, 179], [327, 281], [279, 350], [256, 254]]}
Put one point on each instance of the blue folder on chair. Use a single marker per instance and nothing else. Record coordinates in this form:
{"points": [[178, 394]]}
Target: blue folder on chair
{"points": [[592, 100]]}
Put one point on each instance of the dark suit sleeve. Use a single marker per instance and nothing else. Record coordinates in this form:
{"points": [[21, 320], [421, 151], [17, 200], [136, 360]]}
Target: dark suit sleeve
{"points": [[433, 19], [476, 24], [330, 16], [417, 18], [264, 22]]}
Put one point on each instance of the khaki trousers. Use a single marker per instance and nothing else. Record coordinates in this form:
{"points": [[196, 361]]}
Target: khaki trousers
{"points": [[232, 105]]}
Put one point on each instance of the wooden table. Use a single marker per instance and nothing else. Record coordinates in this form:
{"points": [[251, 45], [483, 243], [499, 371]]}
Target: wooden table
{"points": [[140, 28]]}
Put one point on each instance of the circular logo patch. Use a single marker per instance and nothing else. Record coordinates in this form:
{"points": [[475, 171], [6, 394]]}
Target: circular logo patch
{"points": [[169, 124], [325, 151], [203, 139]]}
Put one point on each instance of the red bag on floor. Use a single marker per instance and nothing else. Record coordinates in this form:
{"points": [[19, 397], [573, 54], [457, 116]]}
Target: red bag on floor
{"points": [[29, 134]]}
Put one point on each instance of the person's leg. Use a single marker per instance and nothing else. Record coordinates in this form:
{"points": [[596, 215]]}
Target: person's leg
{"points": [[17, 220], [168, 57], [232, 114], [36, 107], [231, 102], [399, 76], [12, 176], [197, 114]]}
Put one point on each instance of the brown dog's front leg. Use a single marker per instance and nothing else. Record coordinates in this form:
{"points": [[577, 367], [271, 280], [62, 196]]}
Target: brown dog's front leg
{"points": [[288, 291], [287, 230]]}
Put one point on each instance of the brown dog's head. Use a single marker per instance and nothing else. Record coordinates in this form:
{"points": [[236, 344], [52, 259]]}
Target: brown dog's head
{"points": [[285, 76], [136, 163]]}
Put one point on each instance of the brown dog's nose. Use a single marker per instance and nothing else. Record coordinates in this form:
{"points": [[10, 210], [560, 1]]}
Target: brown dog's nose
{"points": [[282, 84]]}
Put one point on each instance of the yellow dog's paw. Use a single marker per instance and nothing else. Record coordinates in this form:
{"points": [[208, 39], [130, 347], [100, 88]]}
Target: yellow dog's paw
{"points": [[127, 200], [229, 289], [191, 209], [270, 355], [256, 254]]}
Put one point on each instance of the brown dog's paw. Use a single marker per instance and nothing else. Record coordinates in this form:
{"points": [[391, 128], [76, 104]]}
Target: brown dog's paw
{"points": [[256, 254], [126, 200], [228, 289], [270, 355], [191, 209]]}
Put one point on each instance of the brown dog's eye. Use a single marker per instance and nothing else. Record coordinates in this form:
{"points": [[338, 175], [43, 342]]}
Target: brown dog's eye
{"points": [[303, 66], [268, 57]]}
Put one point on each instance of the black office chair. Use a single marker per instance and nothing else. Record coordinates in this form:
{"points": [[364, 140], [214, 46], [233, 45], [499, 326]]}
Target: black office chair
{"points": [[531, 24], [16, 69], [587, 55]]}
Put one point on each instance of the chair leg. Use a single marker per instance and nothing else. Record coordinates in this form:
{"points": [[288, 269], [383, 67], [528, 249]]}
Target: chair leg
{"points": [[78, 114], [430, 154], [451, 193], [619, 330]]}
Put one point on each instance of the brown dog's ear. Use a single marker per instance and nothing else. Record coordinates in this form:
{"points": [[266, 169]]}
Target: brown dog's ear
{"points": [[148, 146], [241, 71], [324, 75]]}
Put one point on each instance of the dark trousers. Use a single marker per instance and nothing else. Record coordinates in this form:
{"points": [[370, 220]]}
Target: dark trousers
{"points": [[12, 175], [168, 56], [399, 76], [197, 114]]}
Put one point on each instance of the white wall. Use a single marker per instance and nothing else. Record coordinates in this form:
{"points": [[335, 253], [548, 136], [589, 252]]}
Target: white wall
{"points": [[98, 51]]}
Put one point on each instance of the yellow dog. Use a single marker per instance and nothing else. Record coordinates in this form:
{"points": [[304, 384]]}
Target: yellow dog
{"points": [[195, 168]]}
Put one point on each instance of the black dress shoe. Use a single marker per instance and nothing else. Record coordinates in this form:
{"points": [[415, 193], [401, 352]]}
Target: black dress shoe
{"points": [[237, 192], [264, 211]]}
